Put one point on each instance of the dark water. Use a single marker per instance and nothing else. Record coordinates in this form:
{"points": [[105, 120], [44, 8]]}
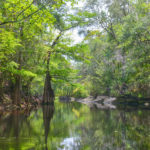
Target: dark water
{"points": [[74, 126]]}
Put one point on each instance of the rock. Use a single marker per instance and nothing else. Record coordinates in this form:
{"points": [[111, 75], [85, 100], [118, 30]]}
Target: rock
{"points": [[101, 102], [65, 98], [146, 104]]}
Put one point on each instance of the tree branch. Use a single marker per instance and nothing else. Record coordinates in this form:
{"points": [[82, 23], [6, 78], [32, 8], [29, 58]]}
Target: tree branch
{"points": [[15, 21], [25, 9]]}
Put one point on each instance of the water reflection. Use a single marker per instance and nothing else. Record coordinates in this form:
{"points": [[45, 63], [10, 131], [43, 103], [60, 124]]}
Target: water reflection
{"points": [[48, 111], [74, 126], [11, 129]]}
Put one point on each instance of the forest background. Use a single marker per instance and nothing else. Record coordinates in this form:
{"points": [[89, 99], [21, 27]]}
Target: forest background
{"points": [[38, 53]]}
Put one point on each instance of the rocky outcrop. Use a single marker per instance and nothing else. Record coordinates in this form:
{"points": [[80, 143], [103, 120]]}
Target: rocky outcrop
{"points": [[101, 102]]}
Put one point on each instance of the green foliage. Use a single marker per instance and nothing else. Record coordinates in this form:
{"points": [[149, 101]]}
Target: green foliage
{"points": [[29, 31], [113, 58], [120, 52]]}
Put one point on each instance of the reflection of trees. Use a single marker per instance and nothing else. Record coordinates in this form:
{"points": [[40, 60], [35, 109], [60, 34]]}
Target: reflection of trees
{"points": [[48, 111], [11, 128], [18, 127], [116, 130], [63, 124], [95, 129]]}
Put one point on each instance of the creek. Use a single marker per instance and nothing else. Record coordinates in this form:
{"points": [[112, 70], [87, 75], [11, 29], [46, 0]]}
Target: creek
{"points": [[75, 126]]}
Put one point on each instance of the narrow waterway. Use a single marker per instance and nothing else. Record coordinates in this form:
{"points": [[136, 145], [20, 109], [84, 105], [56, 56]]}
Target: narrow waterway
{"points": [[75, 126]]}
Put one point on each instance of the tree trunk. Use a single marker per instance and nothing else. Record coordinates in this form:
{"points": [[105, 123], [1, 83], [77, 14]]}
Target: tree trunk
{"points": [[17, 93], [48, 96], [1, 88], [26, 93], [17, 87]]}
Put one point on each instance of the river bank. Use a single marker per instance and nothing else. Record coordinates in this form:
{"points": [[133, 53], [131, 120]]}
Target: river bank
{"points": [[107, 102], [99, 102], [7, 104]]}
